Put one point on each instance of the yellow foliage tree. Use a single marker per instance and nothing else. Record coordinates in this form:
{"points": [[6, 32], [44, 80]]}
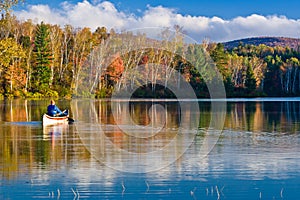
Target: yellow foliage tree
{"points": [[11, 54]]}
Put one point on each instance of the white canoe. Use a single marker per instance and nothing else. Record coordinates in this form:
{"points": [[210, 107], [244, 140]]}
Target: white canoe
{"points": [[48, 120]]}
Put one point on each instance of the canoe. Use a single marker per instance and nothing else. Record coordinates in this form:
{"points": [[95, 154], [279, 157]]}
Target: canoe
{"points": [[48, 120]]}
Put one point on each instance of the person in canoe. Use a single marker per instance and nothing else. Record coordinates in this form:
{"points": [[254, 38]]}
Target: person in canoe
{"points": [[54, 111]]}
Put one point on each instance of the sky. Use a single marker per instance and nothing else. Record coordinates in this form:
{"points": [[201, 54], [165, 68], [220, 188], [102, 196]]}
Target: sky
{"points": [[215, 20]]}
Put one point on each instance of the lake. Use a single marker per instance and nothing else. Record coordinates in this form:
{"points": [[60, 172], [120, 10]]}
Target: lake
{"points": [[152, 149]]}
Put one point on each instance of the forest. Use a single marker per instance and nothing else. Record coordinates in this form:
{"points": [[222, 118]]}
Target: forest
{"points": [[46, 60]]}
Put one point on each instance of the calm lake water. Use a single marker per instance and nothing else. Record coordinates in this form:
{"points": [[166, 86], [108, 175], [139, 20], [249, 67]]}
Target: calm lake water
{"points": [[152, 150]]}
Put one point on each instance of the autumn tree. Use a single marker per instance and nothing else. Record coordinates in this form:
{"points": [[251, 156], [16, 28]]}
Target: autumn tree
{"points": [[80, 51], [100, 35], [6, 5], [6, 17], [290, 75], [11, 54], [55, 46], [27, 30]]}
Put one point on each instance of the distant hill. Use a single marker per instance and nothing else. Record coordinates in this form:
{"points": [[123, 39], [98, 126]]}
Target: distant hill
{"points": [[269, 41]]}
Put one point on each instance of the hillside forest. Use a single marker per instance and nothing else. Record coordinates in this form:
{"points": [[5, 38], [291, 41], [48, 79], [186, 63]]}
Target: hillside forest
{"points": [[46, 60]]}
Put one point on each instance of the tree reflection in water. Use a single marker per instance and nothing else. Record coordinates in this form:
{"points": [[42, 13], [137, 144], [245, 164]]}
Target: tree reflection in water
{"points": [[257, 152]]}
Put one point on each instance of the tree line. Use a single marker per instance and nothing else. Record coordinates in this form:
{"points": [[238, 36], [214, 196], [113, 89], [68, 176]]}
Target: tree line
{"points": [[46, 60]]}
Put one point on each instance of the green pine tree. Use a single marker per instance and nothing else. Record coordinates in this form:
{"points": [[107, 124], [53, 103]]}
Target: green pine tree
{"points": [[250, 82], [43, 58], [220, 57]]}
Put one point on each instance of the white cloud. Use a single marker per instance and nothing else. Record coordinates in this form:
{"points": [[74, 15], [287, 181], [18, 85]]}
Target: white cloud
{"points": [[41, 13], [93, 15]]}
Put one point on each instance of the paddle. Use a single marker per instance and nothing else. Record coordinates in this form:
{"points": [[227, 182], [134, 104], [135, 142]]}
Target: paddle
{"points": [[70, 120]]}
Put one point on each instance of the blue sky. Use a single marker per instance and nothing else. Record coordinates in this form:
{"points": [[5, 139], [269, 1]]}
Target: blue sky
{"points": [[223, 8], [218, 20]]}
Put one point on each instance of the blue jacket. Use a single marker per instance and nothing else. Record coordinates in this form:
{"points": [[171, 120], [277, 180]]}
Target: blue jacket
{"points": [[53, 110]]}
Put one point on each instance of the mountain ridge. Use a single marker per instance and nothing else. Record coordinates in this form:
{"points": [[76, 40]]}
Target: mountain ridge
{"points": [[293, 43]]}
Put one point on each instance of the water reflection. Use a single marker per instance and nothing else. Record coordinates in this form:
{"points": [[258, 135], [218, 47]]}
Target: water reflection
{"points": [[281, 117], [54, 132], [256, 155], [141, 137]]}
